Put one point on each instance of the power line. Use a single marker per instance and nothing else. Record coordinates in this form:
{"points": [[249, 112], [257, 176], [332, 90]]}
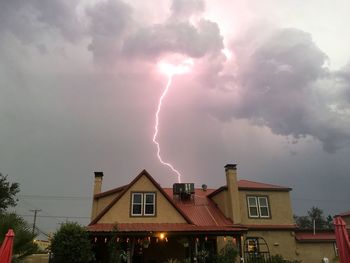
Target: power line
{"points": [[51, 216], [55, 197]]}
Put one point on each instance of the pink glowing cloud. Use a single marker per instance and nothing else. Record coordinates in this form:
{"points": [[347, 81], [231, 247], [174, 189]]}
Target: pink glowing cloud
{"points": [[170, 70]]}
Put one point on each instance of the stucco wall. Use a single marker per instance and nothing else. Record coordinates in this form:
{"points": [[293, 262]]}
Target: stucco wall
{"points": [[315, 252], [100, 203], [120, 212], [279, 204]]}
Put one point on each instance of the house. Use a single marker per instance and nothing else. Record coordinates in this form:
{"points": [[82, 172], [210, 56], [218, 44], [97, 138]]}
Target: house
{"points": [[144, 222]]}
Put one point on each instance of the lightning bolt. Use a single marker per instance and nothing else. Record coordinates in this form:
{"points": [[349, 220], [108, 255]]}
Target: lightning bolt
{"points": [[156, 129]]}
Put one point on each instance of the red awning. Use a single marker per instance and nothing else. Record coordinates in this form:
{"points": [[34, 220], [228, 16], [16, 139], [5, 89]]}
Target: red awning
{"points": [[6, 247]]}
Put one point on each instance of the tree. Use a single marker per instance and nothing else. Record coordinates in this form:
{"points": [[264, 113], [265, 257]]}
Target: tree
{"points": [[7, 193], [23, 243], [314, 215], [71, 244]]}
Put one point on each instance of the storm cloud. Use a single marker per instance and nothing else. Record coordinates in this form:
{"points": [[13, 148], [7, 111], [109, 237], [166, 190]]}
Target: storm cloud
{"points": [[79, 87]]}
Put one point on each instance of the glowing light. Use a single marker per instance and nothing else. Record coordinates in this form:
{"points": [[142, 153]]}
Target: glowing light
{"points": [[170, 70], [161, 236], [227, 53]]}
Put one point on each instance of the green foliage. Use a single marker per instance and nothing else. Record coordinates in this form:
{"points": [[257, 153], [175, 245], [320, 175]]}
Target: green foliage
{"points": [[7, 193], [227, 254], [314, 214], [71, 244], [280, 259], [23, 242]]}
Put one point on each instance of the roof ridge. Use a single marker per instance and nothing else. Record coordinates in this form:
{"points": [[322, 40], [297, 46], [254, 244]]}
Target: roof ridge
{"points": [[155, 183]]}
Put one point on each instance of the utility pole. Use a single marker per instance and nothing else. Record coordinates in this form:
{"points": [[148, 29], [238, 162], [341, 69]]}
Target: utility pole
{"points": [[35, 211]]}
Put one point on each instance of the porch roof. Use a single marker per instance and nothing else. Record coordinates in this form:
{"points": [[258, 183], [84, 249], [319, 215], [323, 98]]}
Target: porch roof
{"points": [[163, 227], [317, 237]]}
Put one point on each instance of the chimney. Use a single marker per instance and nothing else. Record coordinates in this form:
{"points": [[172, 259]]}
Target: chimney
{"points": [[98, 182], [97, 190], [234, 211]]}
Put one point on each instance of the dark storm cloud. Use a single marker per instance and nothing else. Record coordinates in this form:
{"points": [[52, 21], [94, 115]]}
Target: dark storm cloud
{"points": [[27, 20], [181, 37], [115, 33], [183, 9], [281, 86], [110, 21]]}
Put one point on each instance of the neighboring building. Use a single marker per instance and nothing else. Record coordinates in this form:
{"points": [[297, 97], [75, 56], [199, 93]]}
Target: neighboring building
{"points": [[155, 224]]}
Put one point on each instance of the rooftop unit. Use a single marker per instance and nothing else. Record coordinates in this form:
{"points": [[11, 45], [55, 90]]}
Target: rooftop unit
{"points": [[183, 191]]}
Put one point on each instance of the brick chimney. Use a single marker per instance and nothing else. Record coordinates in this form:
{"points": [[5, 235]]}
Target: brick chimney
{"points": [[234, 211], [98, 182], [97, 190]]}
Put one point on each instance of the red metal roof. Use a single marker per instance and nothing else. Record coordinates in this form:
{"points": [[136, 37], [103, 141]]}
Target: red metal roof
{"points": [[159, 227], [317, 237], [345, 214], [201, 209], [245, 184]]}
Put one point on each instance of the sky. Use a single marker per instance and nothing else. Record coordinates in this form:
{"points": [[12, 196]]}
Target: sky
{"points": [[268, 89]]}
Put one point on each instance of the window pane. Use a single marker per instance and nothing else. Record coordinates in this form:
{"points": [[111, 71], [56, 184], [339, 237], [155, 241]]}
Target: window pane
{"points": [[136, 209], [253, 211], [252, 201], [149, 198], [264, 211], [137, 198], [149, 209], [262, 201]]}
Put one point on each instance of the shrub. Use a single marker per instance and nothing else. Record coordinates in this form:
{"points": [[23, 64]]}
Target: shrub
{"points": [[71, 244]]}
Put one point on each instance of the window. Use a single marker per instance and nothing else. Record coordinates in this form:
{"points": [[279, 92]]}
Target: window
{"points": [[258, 206], [143, 204]]}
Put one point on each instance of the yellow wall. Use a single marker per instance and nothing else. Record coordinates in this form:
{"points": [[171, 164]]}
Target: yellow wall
{"points": [[315, 252], [99, 204], [120, 212], [279, 204], [221, 200]]}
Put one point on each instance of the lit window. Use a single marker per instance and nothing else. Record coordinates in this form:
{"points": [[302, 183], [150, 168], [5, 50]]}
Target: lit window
{"points": [[258, 206], [143, 204]]}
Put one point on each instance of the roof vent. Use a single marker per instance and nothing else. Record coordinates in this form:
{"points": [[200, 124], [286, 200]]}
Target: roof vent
{"points": [[183, 191], [204, 187]]}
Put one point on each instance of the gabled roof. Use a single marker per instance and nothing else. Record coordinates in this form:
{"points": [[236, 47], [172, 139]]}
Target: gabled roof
{"points": [[317, 237], [127, 187], [344, 214], [201, 209], [253, 186], [109, 192]]}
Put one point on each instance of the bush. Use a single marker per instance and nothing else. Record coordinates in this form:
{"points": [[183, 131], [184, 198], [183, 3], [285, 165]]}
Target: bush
{"points": [[71, 244], [280, 259], [227, 254]]}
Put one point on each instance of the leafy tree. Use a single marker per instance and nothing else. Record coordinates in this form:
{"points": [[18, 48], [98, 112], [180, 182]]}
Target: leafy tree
{"points": [[71, 244], [23, 243], [316, 215], [7, 193]]}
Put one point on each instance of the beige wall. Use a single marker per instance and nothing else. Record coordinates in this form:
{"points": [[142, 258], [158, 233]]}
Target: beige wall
{"points": [[37, 258], [280, 208], [284, 243], [100, 203], [315, 252], [221, 200], [279, 242], [120, 212]]}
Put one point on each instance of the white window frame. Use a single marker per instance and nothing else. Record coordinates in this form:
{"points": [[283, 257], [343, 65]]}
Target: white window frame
{"points": [[133, 203], [143, 204], [265, 206], [250, 206], [258, 206]]}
